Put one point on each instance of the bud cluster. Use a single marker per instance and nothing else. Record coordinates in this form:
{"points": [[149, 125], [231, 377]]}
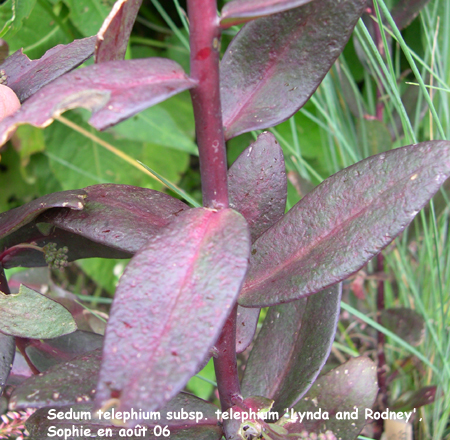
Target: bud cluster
{"points": [[54, 257]]}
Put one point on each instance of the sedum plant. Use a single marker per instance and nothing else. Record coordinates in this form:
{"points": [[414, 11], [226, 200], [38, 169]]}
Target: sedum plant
{"points": [[198, 276]]}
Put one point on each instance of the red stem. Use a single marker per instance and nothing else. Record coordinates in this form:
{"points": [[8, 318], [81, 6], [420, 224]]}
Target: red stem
{"points": [[205, 42], [225, 364], [205, 45]]}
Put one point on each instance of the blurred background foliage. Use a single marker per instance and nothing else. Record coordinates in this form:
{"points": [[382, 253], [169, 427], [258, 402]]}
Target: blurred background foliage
{"points": [[369, 102]]}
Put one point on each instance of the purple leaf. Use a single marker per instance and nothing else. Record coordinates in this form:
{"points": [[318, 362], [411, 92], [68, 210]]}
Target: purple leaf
{"points": [[257, 188], [340, 225], [241, 11], [112, 39], [62, 384], [274, 64], [206, 429], [411, 400], [27, 76], [14, 219], [292, 347], [405, 11], [45, 353], [247, 320], [78, 246], [153, 345], [351, 387], [7, 351], [406, 323], [116, 221], [114, 91], [257, 184], [121, 217]]}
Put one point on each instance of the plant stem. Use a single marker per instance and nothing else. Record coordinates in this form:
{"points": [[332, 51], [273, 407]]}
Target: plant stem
{"points": [[204, 43], [225, 364], [3, 282], [381, 342]]}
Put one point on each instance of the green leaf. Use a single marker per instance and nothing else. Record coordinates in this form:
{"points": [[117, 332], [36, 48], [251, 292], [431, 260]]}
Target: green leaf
{"points": [[79, 162], [156, 124], [39, 33], [12, 14], [88, 15], [28, 314]]}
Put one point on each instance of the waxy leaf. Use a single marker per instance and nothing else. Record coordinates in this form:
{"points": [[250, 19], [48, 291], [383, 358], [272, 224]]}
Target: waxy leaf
{"points": [[114, 91], [112, 39], [194, 267], [411, 400], [45, 353], [257, 184], [274, 64], [117, 220], [14, 219], [27, 76], [205, 429], [405, 11], [246, 322], [122, 217], [29, 314], [64, 384], [78, 246], [241, 11], [351, 387], [257, 188], [340, 225], [406, 323], [7, 351], [292, 347]]}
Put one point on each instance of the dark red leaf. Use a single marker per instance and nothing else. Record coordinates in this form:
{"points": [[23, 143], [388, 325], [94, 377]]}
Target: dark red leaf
{"points": [[292, 347], [116, 221], [78, 246], [114, 91], [274, 64], [340, 225], [63, 384], [257, 188], [411, 400], [241, 11], [112, 39], [247, 320], [27, 76], [405, 11], [45, 353], [257, 184], [14, 219], [121, 217], [7, 351], [351, 387], [193, 268]]}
